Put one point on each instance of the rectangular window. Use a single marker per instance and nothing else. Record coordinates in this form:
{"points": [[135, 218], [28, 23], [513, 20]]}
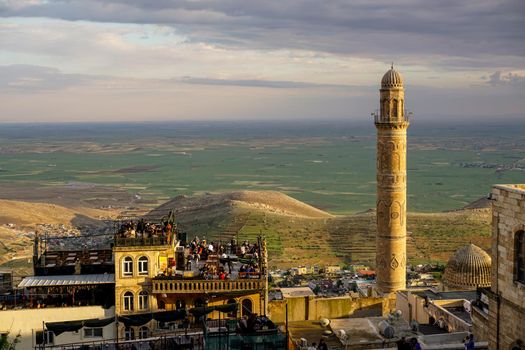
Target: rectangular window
{"points": [[96, 332], [127, 267], [47, 338], [143, 266]]}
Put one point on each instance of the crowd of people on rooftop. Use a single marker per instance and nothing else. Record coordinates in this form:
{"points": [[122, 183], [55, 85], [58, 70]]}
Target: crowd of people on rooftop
{"points": [[219, 259]]}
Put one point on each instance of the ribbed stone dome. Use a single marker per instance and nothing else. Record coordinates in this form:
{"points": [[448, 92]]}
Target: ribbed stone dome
{"points": [[391, 79], [468, 268]]}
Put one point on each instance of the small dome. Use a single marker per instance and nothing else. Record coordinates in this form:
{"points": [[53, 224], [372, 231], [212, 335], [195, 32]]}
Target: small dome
{"points": [[468, 268], [391, 79]]}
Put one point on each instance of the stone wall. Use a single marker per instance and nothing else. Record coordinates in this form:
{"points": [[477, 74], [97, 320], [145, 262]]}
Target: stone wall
{"points": [[507, 301], [316, 308], [27, 322]]}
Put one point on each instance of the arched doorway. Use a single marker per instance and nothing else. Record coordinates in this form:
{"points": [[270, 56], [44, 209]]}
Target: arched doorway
{"points": [[180, 304], [247, 307]]}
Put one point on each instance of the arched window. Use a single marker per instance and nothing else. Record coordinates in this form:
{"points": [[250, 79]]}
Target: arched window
{"points": [[517, 345], [394, 109], [143, 265], [128, 301], [143, 300], [247, 307], [127, 266], [180, 304], [129, 333], [143, 332], [519, 253]]}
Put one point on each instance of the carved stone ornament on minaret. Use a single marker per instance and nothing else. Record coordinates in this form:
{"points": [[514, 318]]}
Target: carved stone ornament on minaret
{"points": [[391, 123]]}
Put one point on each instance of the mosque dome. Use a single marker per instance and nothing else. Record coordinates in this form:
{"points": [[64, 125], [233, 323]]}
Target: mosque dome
{"points": [[391, 79], [468, 268]]}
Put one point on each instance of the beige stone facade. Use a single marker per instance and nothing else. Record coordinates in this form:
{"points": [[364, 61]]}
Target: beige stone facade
{"points": [[391, 124], [507, 297], [140, 290]]}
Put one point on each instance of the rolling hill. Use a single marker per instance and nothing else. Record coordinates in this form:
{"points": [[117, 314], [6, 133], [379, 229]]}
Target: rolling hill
{"points": [[297, 233], [301, 234]]}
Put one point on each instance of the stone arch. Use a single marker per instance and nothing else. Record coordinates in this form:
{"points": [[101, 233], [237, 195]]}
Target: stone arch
{"points": [[396, 213], [128, 301], [246, 307], [395, 109], [517, 345]]}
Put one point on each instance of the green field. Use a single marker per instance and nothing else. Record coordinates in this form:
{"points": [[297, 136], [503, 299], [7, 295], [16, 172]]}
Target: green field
{"points": [[330, 165]]}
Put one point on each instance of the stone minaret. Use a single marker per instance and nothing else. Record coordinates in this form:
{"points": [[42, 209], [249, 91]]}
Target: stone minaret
{"points": [[391, 124]]}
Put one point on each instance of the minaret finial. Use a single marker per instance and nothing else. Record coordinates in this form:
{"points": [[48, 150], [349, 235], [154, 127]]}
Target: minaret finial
{"points": [[392, 65]]}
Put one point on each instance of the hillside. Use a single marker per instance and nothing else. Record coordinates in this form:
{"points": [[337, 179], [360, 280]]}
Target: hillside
{"points": [[271, 202], [20, 220], [300, 234], [297, 233]]}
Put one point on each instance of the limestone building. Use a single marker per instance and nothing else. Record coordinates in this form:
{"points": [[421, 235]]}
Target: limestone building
{"points": [[392, 124], [467, 269], [506, 298]]}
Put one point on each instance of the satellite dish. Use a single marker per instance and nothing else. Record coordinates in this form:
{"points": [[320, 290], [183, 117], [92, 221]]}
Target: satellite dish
{"points": [[467, 306], [341, 334], [386, 329]]}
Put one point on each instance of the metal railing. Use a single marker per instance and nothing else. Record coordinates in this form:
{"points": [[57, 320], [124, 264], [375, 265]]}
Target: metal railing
{"points": [[166, 285], [382, 119], [140, 241], [166, 342]]}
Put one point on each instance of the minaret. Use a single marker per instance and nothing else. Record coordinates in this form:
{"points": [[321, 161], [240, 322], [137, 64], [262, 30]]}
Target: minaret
{"points": [[392, 125]]}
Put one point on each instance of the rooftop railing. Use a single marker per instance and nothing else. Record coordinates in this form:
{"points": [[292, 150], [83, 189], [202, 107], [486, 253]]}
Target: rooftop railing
{"points": [[166, 285], [140, 241]]}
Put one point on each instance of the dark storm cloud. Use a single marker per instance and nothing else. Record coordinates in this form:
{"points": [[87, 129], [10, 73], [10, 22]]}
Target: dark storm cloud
{"points": [[479, 33]]}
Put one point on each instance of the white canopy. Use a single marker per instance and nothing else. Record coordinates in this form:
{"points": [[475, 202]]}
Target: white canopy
{"points": [[67, 280]]}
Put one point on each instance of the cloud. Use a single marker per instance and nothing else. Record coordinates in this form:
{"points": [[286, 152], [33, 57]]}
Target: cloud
{"points": [[28, 78], [259, 83], [470, 31], [509, 79]]}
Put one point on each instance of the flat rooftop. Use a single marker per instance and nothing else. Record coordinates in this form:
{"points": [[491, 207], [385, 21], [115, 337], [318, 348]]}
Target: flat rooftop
{"points": [[296, 292], [462, 294]]}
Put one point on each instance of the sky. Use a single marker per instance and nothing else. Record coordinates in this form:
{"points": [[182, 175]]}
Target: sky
{"points": [[140, 60]]}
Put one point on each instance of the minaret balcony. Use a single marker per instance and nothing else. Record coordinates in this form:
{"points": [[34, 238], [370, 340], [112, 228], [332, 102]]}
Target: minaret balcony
{"points": [[384, 119]]}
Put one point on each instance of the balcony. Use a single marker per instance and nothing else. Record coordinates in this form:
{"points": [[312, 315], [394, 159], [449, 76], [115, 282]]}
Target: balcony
{"points": [[140, 241], [386, 119], [379, 119], [168, 285]]}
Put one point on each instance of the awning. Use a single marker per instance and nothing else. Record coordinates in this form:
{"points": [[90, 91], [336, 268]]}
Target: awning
{"points": [[67, 280], [73, 326], [201, 311], [161, 316]]}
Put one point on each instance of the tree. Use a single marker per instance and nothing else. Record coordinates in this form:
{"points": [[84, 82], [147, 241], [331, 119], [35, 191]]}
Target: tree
{"points": [[7, 344]]}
